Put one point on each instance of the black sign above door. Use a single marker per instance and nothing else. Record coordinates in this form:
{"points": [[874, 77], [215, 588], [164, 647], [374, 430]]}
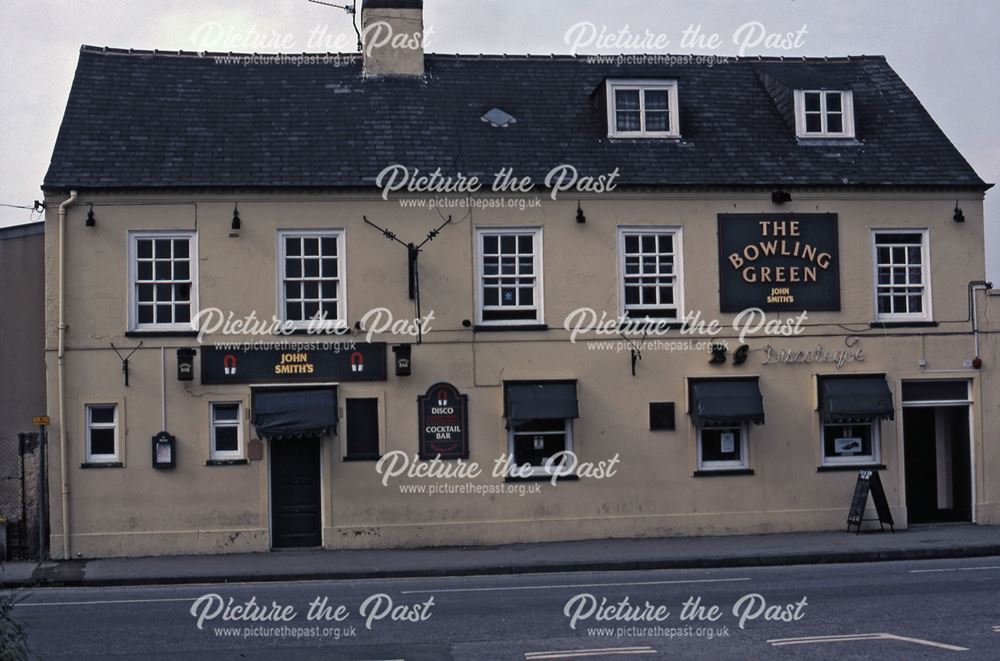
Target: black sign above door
{"points": [[444, 423], [781, 261], [334, 362]]}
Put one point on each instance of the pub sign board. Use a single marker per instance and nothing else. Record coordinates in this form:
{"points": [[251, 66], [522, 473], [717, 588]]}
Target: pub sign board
{"points": [[781, 261], [295, 363], [444, 423]]}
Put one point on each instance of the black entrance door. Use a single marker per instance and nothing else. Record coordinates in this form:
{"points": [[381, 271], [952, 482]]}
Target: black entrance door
{"points": [[938, 470], [295, 492]]}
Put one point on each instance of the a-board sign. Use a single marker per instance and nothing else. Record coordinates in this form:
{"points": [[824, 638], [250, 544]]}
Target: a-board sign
{"points": [[869, 482]]}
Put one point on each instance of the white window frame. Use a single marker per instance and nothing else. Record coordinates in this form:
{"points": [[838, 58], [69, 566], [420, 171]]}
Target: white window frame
{"points": [[928, 312], [642, 86], [846, 107], [677, 234], [133, 272], [92, 458], [340, 236], [744, 461], [213, 424], [874, 458], [537, 471], [539, 288]]}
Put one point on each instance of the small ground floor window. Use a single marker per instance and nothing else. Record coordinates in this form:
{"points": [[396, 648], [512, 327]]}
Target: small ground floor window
{"points": [[850, 443], [539, 422], [534, 442], [722, 447]]}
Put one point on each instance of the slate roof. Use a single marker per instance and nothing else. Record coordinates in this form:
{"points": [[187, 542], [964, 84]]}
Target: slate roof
{"points": [[152, 120]]}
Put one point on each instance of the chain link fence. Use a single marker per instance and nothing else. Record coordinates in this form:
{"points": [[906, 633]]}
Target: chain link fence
{"points": [[19, 494]]}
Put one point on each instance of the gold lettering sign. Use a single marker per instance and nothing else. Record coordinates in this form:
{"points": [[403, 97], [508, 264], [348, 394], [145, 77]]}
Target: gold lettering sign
{"points": [[294, 363]]}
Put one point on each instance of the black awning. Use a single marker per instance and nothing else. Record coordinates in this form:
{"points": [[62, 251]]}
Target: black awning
{"points": [[540, 400], [295, 413], [724, 402], [855, 399]]}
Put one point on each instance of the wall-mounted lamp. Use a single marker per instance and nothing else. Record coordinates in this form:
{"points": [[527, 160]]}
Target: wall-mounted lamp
{"points": [[959, 216], [91, 218], [781, 196], [580, 218], [234, 228]]}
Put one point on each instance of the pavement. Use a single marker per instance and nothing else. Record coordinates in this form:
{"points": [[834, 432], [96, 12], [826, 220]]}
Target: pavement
{"points": [[802, 548]]}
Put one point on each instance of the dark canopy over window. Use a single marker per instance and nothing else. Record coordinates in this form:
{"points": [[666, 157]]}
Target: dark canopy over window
{"points": [[726, 402], [540, 400], [855, 399], [295, 413]]}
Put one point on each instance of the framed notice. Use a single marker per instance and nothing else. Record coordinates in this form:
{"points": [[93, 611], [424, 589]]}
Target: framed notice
{"points": [[444, 423]]}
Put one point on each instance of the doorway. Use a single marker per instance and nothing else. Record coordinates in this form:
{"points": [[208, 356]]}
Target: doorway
{"points": [[296, 520], [938, 464]]}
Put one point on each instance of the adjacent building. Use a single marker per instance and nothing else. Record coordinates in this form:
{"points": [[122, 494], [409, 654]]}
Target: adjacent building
{"points": [[189, 192]]}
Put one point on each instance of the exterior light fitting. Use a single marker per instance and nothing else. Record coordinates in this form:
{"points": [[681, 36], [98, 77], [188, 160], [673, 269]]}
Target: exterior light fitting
{"points": [[234, 229], [781, 196], [91, 218], [959, 216], [580, 218]]}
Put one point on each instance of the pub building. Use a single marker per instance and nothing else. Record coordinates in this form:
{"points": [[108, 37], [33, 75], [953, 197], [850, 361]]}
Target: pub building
{"points": [[189, 191]]}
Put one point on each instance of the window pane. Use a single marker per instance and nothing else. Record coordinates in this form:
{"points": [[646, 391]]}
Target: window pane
{"points": [[812, 102], [524, 244], [102, 414], [102, 441], [226, 411], [536, 448], [657, 121], [227, 439], [293, 246], [721, 444], [293, 268], [145, 271], [835, 123], [329, 246], [145, 314], [814, 124], [628, 121], [657, 99], [182, 313], [847, 441], [310, 247], [163, 248], [144, 248], [508, 244], [833, 102], [312, 268], [145, 293], [626, 99], [163, 270], [491, 244]]}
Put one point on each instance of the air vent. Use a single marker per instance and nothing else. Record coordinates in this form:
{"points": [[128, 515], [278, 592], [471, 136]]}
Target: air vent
{"points": [[498, 118]]}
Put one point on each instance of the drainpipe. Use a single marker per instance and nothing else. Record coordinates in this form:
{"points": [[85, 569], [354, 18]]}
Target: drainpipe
{"points": [[975, 286], [61, 396]]}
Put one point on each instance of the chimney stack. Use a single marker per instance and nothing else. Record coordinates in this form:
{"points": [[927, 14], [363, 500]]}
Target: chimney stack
{"points": [[393, 35]]}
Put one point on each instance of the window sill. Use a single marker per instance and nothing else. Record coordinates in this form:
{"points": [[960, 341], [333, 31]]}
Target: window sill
{"points": [[903, 324], [828, 140], [363, 457], [850, 467], [722, 472], [227, 462], [161, 333], [490, 328], [543, 478], [103, 464]]}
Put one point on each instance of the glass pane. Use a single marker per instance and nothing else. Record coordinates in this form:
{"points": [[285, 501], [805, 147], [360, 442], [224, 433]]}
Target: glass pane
{"points": [[227, 439], [491, 245], [182, 270], [628, 121], [833, 102], [527, 296], [632, 243], [508, 244], [491, 296], [310, 290], [491, 265], [721, 444], [328, 291], [535, 449], [293, 268], [310, 247], [163, 248], [163, 270], [293, 312], [293, 246], [145, 293], [847, 440], [835, 123], [181, 247], [329, 246], [182, 293], [310, 310], [145, 314], [913, 255], [293, 290], [814, 124], [631, 295], [145, 271], [182, 313], [524, 244], [102, 441], [226, 411], [144, 248], [812, 102], [657, 99], [102, 414], [164, 293], [329, 269], [627, 99], [164, 314], [312, 268], [657, 121]]}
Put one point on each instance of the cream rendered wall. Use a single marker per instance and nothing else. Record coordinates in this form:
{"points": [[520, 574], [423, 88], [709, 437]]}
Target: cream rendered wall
{"points": [[137, 510]]}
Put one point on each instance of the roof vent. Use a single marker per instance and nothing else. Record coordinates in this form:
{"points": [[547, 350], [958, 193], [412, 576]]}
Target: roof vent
{"points": [[498, 118]]}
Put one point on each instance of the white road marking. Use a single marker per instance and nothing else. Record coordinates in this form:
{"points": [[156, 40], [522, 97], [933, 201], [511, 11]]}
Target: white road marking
{"points": [[567, 587], [572, 654], [97, 603], [934, 571], [808, 640]]}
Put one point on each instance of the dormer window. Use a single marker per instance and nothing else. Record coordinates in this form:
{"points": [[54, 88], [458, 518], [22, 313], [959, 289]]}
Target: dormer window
{"points": [[824, 114], [642, 109]]}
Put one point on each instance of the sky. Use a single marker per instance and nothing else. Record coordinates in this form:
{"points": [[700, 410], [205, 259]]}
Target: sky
{"points": [[947, 52]]}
